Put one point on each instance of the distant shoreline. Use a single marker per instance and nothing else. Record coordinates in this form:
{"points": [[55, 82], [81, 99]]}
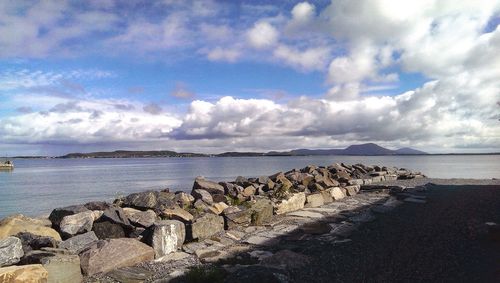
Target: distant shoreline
{"points": [[222, 156]]}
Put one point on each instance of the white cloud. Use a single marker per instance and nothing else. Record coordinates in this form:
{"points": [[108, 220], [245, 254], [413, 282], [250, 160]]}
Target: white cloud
{"points": [[303, 12], [224, 54], [262, 35], [314, 58]]}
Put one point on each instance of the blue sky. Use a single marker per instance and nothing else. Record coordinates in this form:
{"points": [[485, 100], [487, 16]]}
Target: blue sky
{"points": [[213, 76]]}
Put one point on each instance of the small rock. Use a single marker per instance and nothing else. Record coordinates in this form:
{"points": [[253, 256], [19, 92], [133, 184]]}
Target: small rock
{"points": [[35, 242], [307, 214], [15, 224], [57, 215], [219, 207], [336, 193], [209, 186], [143, 200]]}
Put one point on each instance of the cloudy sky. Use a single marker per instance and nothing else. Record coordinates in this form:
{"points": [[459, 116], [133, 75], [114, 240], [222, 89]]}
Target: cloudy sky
{"points": [[213, 76]]}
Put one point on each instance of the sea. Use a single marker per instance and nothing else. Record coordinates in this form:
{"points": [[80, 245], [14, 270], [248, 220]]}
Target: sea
{"points": [[36, 186]]}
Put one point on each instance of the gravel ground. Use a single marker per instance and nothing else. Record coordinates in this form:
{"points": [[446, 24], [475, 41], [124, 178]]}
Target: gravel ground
{"points": [[444, 239]]}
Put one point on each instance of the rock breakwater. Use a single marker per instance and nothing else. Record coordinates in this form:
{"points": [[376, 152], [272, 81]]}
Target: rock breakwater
{"points": [[135, 234]]}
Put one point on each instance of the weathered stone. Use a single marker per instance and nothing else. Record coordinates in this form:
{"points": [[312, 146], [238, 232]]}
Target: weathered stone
{"points": [[79, 243], [97, 205], [306, 214], [11, 251], [15, 224], [143, 200], [77, 223], [219, 198], [166, 236], [35, 242], [183, 199], [178, 214], [63, 268], [261, 211], [352, 190], [261, 241], [35, 257], [58, 214], [356, 182], [140, 218], [108, 230], [327, 197], [249, 191], [116, 215], [114, 253], [295, 202], [376, 179], [206, 226], [336, 193], [315, 200], [219, 207], [203, 195], [34, 273], [201, 183]]}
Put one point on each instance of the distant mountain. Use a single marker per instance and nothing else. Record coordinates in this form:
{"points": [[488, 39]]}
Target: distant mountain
{"points": [[358, 149]]}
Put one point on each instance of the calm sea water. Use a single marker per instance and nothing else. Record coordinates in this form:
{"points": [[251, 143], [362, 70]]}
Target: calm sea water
{"points": [[36, 186]]}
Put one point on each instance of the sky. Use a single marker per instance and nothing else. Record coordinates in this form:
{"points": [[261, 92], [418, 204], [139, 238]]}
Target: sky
{"points": [[214, 76]]}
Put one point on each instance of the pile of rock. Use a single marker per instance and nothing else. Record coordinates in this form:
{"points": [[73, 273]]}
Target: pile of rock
{"points": [[99, 237]]}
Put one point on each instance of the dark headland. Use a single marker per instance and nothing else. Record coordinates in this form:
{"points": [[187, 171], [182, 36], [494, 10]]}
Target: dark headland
{"points": [[345, 223]]}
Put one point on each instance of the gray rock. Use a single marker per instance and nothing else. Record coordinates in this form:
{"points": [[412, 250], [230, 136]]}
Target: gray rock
{"points": [[77, 223], [97, 205], [132, 274], [11, 251], [114, 253], [294, 202], [116, 215], [336, 193], [108, 230], [140, 218], [79, 243], [203, 195], [352, 190], [166, 236], [58, 214], [35, 242], [143, 200], [183, 199], [207, 226], [315, 200], [212, 187]]}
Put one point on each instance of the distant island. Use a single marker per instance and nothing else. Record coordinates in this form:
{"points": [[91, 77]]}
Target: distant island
{"points": [[370, 149]]}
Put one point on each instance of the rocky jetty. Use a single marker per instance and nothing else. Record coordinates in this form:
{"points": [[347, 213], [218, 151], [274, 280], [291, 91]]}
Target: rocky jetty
{"points": [[126, 238]]}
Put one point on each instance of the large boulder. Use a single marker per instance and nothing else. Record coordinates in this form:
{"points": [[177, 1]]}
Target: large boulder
{"points": [[209, 186], [294, 202], [35, 242], [57, 215], [116, 215], [183, 199], [63, 268], [108, 230], [97, 205], [77, 223], [34, 273], [315, 200], [259, 211], [15, 224], [114, 253], [207, 226], [79, 243], [336, 193], [177, 213], [11, 251], [140, 218], [203, 195], [166, 236], [143, 200]]}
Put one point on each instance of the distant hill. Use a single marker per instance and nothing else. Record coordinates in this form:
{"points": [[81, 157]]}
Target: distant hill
{"points": [[358, 149]]}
